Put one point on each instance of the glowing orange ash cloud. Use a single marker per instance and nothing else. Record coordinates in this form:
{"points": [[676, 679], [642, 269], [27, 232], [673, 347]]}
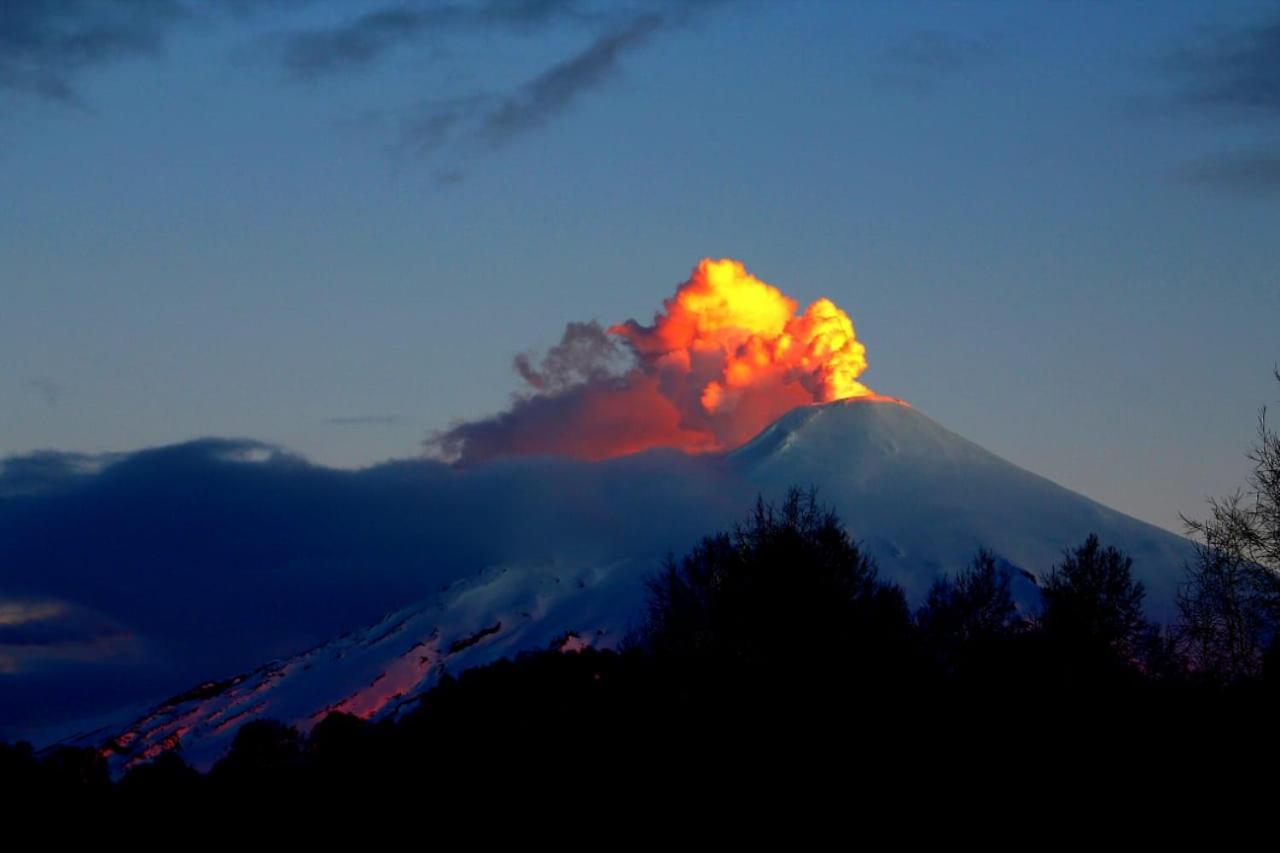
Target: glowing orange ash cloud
{"points": [[726, 312], [727, 356]]}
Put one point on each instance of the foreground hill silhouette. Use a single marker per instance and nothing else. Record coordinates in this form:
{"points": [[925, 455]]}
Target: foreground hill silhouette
{"points": [[763, 644]]}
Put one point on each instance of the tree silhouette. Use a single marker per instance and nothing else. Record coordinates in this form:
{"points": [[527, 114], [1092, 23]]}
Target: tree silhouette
{"points": [[264, 753], [1092, 610], [167, 777], [1229, 607], [787, 588], [975, 605], [966, 617], [75, 771]]}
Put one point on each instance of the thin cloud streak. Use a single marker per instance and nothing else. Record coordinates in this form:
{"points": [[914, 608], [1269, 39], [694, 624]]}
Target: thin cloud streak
{"points": [[48, 390], [314, 53], [926, 58], [47, 47], [1255, 173], [1231, 74], [1235, 72], [496, 120], [554, 91]]}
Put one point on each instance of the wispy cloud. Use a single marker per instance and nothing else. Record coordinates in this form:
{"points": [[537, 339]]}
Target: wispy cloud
{"points": [[315, 52], [426, 128], [1233, 71], [554, 90], [41, 632], [1247, 172], [1232, 74], [45, 45], [48, 46], [493, 120], [48, 390], [926, 58]]}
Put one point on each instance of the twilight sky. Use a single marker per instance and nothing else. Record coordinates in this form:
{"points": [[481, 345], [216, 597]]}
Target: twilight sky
{"points": [[331, 225]]}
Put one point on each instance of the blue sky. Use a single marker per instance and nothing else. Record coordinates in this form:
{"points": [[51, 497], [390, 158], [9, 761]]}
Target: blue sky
{"points": [[332, 225]]}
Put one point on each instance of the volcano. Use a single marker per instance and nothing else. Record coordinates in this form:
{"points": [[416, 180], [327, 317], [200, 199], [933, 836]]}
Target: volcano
{"points": [[920, 498]]}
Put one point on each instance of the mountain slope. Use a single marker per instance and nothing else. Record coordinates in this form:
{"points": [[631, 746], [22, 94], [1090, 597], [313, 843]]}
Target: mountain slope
{"points": [[380, 669], [924, 499]]}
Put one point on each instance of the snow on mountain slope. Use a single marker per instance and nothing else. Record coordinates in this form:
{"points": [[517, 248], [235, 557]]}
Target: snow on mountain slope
{"points": [[920, 497], [379, 670], [924, 499]]}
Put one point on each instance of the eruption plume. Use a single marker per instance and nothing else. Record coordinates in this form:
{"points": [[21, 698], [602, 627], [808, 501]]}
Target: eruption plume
{"points": [[726, 356]]}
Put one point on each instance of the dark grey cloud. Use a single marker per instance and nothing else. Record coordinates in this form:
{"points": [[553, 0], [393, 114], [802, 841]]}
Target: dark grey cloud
{"points": [[585, 353], [925, 58], [217, 554], [45, 45], [531, 427], [562, 386], [1231, 72], [1254, 173]]}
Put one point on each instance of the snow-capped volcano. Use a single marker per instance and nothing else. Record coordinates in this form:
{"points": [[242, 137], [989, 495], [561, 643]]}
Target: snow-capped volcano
{"points": [[919, 497]]}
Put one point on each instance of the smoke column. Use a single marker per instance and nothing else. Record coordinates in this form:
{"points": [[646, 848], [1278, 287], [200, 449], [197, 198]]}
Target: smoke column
{"points": [[727, 355]]}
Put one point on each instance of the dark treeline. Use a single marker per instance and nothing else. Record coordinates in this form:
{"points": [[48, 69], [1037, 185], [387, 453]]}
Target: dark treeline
{"points": [[778, 642]]}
